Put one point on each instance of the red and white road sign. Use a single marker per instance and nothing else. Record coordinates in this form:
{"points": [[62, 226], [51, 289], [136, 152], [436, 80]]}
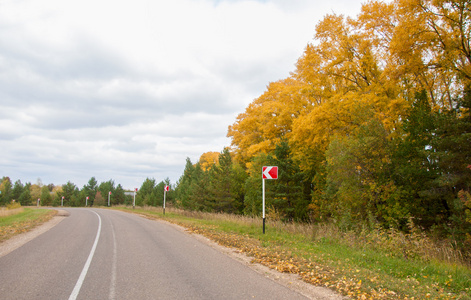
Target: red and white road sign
{"points": [[270, 172], [109, 193], [167, 188]]}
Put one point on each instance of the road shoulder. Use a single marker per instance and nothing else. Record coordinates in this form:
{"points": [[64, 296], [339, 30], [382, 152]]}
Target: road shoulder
{"points": [[291, 281], [21, 239]]}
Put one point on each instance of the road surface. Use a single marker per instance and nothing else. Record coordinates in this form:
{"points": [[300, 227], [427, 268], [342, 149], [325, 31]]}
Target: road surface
{"points": [[105, 254]]}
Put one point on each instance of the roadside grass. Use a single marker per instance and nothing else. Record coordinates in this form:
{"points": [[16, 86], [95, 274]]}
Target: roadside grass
{"points": [[4, 212], [365, 265], [24, 219], [10, 209]]}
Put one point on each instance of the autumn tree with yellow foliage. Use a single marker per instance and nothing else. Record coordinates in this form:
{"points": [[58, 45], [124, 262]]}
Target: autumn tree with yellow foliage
{"points": [[268, 119]]}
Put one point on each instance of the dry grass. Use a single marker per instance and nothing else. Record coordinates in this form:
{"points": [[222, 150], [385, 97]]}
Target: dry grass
{"points": [[415, 244], [11, 209], [393, 242], [240, 219], [4, 212]]}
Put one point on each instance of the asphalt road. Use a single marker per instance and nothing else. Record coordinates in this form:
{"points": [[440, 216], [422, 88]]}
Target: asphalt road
{"points": [[104, 254]]}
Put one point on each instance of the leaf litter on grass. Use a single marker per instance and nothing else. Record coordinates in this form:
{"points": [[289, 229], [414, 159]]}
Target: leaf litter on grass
{"points": [[322, 271]]}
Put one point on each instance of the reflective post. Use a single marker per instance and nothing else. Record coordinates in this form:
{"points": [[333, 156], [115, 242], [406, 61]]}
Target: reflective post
{"points": [[166, 189], [263, 204]]}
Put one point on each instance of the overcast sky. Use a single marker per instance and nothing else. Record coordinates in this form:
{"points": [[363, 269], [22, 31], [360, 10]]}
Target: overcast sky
{"points": [[125, 90]]}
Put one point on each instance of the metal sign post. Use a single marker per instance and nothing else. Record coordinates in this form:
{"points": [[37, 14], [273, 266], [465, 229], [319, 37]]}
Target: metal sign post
{"points": [[62, 201], [270, 172], [134, 200], [86, 201], [109, 195]]}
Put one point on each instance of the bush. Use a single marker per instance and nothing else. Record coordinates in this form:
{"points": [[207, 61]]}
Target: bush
{"points": [[13, 205]]}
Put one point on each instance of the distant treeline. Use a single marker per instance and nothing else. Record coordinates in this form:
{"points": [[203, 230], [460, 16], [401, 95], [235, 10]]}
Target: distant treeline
{"points": [[150, 193]]}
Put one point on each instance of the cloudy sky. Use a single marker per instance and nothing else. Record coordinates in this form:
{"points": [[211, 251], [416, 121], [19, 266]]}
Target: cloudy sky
{"points": [[125, 90]]}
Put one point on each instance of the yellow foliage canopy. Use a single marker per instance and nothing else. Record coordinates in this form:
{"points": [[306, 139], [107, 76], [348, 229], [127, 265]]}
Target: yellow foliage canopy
{"points": [[267, 119], [358, 69], [208, 159]]}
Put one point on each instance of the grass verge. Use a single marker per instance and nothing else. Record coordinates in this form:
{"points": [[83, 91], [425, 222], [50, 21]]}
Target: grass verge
{"points": [[358, 271], [24, 220]]}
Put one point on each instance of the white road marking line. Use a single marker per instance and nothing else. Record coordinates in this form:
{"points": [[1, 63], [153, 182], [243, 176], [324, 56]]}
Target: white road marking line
{"points": [[112, 295], [79, 283]]}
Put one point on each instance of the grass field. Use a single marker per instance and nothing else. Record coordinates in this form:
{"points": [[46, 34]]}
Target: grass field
{"points": [[23, 219], [373, 265]]}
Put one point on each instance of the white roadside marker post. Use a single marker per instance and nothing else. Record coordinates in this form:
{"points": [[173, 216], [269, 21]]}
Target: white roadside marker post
{"points": [[263, 204], [166, 189], [269, 172]]}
